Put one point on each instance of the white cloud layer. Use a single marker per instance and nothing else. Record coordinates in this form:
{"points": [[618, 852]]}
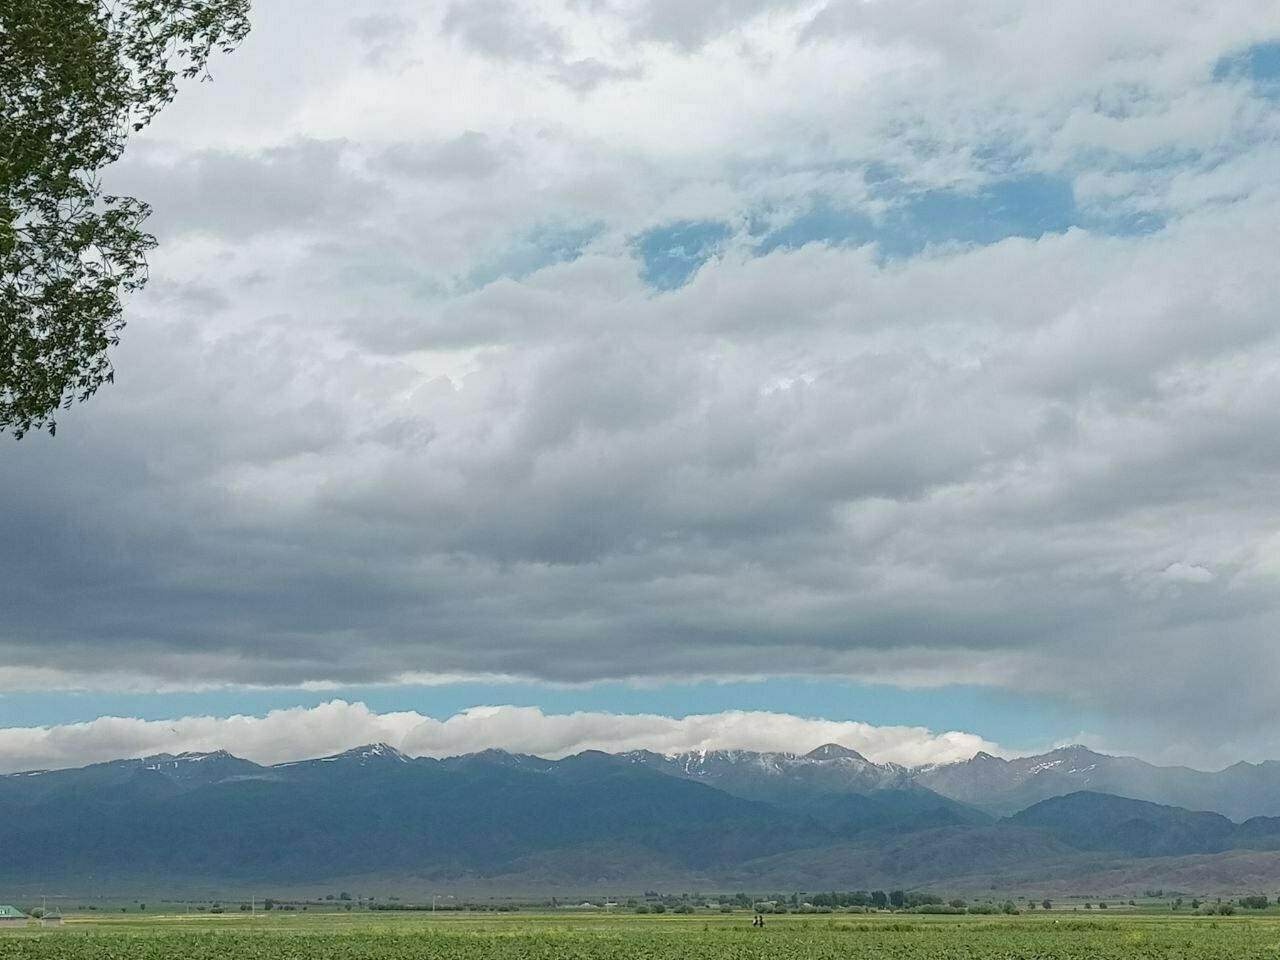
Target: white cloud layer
{"points": [[332, 727]]}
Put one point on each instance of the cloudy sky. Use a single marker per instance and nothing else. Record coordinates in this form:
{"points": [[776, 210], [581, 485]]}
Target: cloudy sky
{"points": [[680, 374]]}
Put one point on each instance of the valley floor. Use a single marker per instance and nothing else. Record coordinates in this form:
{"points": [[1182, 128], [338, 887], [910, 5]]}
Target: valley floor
{"points": [[552, 936]]}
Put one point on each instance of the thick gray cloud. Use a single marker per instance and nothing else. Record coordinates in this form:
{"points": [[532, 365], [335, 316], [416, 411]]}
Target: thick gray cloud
{"points": [[470, 155], [690, 26], [501, 29], [399, 401], [300, 185], [386, 37]]}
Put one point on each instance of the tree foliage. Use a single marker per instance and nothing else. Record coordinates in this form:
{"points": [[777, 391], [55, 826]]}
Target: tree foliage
{"points": [[77, 77]]}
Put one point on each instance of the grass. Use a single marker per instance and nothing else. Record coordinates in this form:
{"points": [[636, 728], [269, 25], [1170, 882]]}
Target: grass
{"points": [[585, 936]]}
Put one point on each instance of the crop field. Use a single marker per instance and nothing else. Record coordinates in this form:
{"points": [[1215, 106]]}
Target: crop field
{"points": [[554, 937]]}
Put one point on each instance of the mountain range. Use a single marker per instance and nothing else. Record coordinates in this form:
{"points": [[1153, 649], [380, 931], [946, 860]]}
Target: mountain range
{"points": [[1005, 786], [987, 783], [1067, 820]]}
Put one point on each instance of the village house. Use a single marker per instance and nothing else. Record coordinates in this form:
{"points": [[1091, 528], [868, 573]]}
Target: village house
{"points": [[11, 917]]}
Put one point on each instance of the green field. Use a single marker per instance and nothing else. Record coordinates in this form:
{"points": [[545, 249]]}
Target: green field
{"points": [[582, 937]]}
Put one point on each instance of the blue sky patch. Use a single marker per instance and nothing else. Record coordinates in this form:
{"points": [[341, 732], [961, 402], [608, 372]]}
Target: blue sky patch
{"points": [[1023, 206], [542, 247], [821, 223], [1027, 206], [1259, 64], [670, 255]]}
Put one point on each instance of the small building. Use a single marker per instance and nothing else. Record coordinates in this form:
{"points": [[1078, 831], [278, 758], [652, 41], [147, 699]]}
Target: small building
{"points": [[51, 918], [11, 917]]}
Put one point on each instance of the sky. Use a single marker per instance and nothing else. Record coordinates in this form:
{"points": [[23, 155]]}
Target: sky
{"points": [[618, 373]]}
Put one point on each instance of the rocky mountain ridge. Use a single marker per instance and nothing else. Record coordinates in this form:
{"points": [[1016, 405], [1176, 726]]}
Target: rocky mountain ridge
{"points": [[746, 820]]}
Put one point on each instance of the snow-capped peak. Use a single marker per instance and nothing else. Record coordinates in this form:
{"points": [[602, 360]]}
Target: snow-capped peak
{"points": [[364, 755], [375, 751], [834, 751]]}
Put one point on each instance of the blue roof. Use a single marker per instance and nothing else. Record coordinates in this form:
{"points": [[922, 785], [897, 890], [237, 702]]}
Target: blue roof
{"points": [[12, 913]]}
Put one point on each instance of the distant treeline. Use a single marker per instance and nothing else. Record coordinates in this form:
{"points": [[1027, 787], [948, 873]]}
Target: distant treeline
{"points": [[441, 907], [874, 899]]}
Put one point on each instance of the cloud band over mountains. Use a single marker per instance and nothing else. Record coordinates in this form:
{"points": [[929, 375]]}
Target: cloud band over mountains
{"points": [[332, 727]]}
